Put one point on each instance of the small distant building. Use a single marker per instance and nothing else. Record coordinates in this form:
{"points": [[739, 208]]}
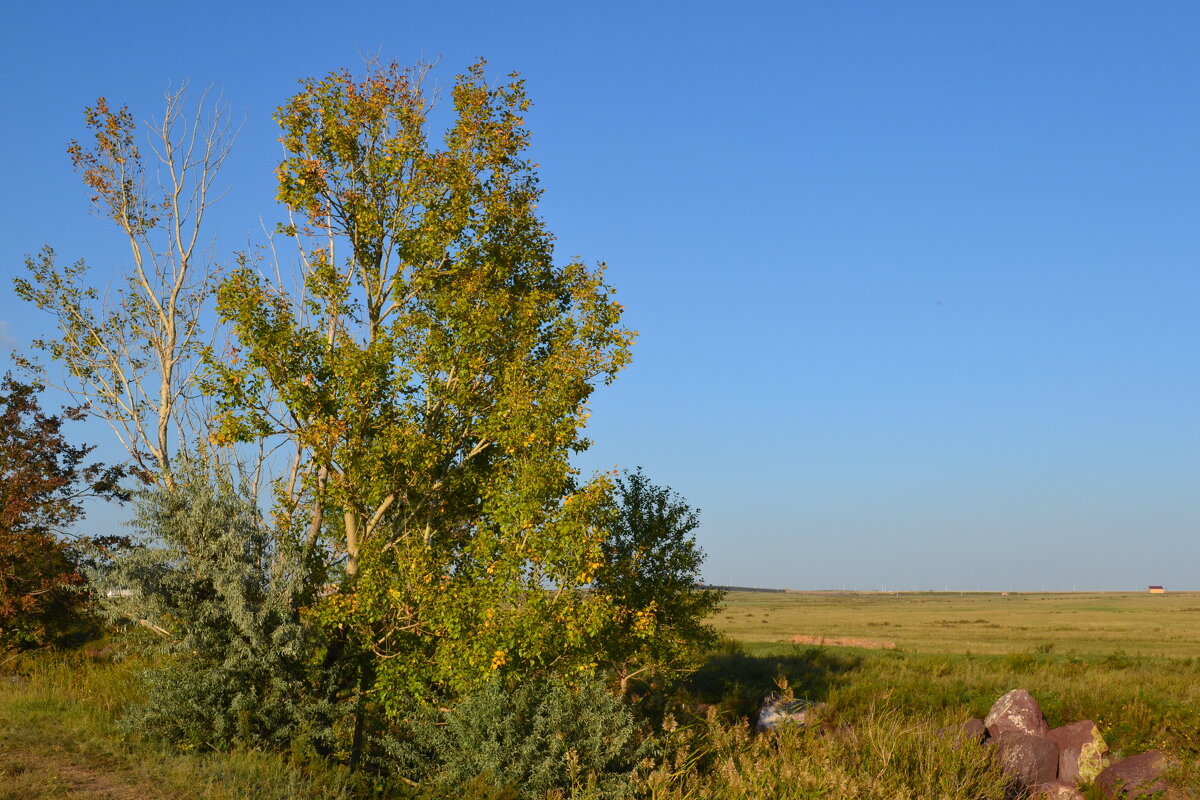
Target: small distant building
{"points": [[1156, 590]]}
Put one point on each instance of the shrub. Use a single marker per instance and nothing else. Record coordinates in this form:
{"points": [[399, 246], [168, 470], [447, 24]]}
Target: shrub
{"points": [[540, 736], [38, 589], [43, 480], [651, 573], [221, 593]]}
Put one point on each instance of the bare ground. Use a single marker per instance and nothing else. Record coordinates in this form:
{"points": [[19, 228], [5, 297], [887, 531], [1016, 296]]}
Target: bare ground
{"points": [[28, 774], [836, 641]]}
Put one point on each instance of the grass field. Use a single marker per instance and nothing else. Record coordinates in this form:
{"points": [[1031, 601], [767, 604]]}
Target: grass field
{"points": [[1136, 624], [1130, 662]]}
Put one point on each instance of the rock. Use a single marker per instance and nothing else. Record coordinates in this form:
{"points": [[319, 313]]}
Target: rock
{"points": [[973, 730], [776, 712], [1081, 751], [1029, 760], [1057, 790], [1136, 776], [1016, 711], [970, 732]]}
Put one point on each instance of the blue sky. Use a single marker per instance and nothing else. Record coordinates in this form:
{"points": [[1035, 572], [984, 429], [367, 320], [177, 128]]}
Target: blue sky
{"points": [[915, 283]]}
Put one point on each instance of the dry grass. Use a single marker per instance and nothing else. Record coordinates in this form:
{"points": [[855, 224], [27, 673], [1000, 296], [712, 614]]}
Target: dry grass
{"points": [[1136, 624], [1128, 661]]}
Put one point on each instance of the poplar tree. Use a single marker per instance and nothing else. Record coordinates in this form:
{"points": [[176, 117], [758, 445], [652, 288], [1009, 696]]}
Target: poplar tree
{"points": [[431, 363], [129, 353]]}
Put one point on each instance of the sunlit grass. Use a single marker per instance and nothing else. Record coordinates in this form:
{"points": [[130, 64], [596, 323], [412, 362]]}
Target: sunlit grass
{"points": [[886, 731], [59, 738], [989, 623]]}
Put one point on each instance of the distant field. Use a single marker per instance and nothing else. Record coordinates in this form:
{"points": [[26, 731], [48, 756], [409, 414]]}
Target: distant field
{"points": [[974, 622]]}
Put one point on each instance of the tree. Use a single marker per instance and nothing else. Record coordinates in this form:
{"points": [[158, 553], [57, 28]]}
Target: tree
{"points": [[434, 370], [651, 575], [43, 482], [130, 358]]}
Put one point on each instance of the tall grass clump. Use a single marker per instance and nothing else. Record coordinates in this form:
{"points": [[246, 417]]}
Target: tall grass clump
{"points": [[882, 755]]}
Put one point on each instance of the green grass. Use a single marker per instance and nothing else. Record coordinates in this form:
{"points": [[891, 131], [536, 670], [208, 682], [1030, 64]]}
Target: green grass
{"points": [[1129, 662], [1140, 703], [59, 739], [885, 756]]}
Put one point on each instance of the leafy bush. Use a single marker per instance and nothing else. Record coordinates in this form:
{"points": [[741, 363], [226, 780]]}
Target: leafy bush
{"points": [[541, 736], [221, 594], [651, 573], [38, 597], [43, 479]]}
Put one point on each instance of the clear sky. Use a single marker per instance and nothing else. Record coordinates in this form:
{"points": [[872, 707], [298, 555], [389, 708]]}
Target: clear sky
{"points": [[916, 283]]}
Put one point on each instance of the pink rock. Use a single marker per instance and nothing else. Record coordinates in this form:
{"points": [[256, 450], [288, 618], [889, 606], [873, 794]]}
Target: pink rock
{"points": [[1081, 751], [1029, 760], [973, 730], [1016, 711], [1136, 776]]}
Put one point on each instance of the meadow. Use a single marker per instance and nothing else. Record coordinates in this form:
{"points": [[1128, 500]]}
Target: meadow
{"points": [[1083, 623], [1130, 662]]}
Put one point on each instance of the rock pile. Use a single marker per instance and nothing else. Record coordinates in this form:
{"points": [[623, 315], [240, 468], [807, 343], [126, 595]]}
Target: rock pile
{"points": [[1052, 763]]}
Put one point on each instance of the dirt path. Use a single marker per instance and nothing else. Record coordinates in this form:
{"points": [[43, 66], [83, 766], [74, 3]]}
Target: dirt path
{"points": [[835, 641], [38, 775]]}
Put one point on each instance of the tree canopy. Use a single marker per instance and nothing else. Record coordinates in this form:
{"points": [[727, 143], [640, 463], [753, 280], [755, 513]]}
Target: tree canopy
{"points": [[434, 371]]}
